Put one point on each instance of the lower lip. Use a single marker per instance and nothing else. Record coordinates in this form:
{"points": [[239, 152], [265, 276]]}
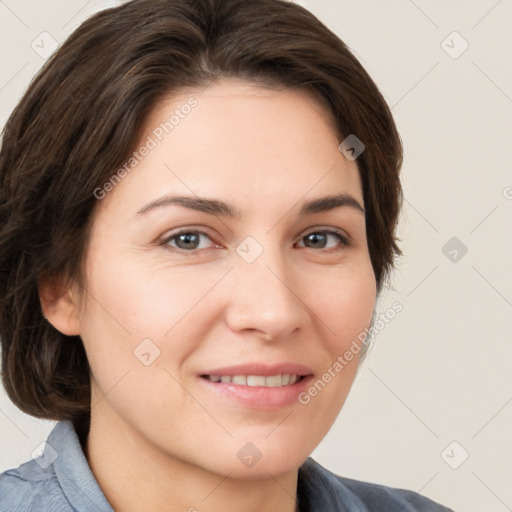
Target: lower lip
{"points": [[259, 397]]}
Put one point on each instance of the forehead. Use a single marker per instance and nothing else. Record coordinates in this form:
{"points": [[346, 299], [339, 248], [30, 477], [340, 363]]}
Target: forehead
{"points": [[235, 139]]}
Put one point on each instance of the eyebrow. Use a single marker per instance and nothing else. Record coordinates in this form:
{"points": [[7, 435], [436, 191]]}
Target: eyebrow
{"points": [[220, 208]]}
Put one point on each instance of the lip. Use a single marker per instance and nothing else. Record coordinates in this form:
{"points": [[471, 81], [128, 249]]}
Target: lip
{"points": [[261, 369], [258, 397]]}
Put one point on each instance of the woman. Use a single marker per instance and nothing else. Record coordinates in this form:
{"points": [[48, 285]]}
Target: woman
{"points": [[198, 212]]}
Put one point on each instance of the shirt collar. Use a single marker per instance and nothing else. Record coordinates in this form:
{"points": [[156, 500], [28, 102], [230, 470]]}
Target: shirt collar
{"points": [[73, 472]]}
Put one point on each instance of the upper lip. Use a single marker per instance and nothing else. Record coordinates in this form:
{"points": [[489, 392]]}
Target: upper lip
{"points": [[262, 369]]}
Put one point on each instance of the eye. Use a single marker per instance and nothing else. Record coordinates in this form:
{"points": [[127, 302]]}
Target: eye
{"points": [[188, 240], [324, 239]]}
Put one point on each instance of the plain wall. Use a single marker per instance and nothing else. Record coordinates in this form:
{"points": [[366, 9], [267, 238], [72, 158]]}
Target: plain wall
{"points": [[437, 385]]}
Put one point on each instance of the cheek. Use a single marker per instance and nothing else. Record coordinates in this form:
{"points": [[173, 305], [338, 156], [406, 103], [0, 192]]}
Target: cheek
{"points": [[132, 301], [137, 332], [130, 298], [344, 302]]}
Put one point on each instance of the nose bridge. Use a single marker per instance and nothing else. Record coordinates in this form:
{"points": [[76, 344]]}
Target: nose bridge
{"points": [[263, 297]]}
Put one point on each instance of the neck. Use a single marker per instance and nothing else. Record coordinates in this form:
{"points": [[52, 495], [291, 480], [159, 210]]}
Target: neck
{"points": [[134, 474]]}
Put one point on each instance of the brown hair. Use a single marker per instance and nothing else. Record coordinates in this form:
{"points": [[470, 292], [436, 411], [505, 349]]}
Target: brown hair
{"points": [[79, 121]]}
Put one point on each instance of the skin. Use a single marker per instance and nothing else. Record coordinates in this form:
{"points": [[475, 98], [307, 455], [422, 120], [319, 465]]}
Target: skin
{"points": [[158, 440]]}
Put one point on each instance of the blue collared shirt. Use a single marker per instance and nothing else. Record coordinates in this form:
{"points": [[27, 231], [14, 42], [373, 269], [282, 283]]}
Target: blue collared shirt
{"points": [[60, 480]]}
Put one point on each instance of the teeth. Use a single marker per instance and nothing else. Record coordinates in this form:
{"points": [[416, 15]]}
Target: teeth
{"points": [[255, 380], [271, 381], [239, 379]]}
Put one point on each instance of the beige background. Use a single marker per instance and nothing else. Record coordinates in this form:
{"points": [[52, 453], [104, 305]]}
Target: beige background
{"points": [[440, 371]]}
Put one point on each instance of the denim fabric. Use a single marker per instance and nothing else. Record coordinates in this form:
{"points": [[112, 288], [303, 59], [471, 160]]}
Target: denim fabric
{"points": [[60, 480]]}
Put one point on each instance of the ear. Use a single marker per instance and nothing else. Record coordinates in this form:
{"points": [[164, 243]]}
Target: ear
{"points": [[59, 305]]}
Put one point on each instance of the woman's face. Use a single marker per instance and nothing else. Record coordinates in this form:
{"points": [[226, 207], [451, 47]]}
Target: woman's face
{"points": [[244, 275]]}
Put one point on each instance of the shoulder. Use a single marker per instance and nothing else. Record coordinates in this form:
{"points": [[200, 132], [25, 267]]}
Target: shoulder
{"points": [[319, 485], [59, 480], [31, 487], [43, 482]]}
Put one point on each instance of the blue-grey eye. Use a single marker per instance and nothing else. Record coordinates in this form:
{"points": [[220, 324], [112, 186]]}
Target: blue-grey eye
{"points": [[188, 240], [320, 239]]}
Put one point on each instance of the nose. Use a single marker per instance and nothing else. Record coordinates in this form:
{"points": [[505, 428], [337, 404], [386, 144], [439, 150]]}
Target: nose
{"points": [[266, 298]]}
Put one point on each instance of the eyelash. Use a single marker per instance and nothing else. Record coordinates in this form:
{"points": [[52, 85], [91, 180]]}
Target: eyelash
{"points": [[342, 238]]}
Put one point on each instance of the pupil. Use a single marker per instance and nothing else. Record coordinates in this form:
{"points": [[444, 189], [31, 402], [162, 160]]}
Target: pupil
{"points": [[317, 239], [188, 240]]}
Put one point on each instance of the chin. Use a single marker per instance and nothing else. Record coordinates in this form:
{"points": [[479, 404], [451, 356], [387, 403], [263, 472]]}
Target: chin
{"points": [[267, 467], [260, 460]]}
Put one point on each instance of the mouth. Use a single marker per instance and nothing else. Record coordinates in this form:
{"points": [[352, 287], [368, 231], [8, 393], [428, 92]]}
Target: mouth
{"points": [[257, 386], [269, 381]]}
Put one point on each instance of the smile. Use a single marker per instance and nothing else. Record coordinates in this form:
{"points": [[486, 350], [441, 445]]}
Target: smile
{"points": [[268, 381]]}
